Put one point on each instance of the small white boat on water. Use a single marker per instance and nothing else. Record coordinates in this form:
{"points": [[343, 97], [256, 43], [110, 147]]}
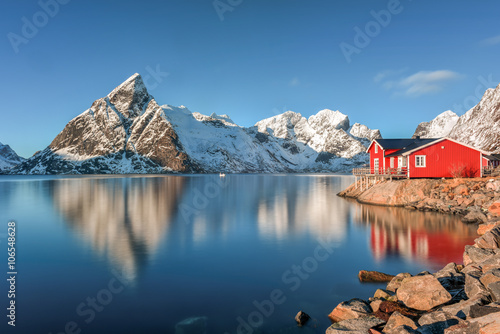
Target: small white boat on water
{"points": [[222, 174]]}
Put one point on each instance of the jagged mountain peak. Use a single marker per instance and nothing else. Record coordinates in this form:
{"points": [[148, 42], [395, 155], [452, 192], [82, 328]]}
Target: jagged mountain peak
{"points": [[131, 97], [327, 118], [440, 126], [8, 157], [363, 132], [480, 126]]}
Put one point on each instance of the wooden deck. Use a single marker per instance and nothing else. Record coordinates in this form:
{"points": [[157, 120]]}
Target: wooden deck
{"points": [[367, 177], [380, 172]]}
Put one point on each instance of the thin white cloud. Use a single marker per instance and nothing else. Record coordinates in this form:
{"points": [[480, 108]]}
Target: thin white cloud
{"points": [[294, 82], [491, 41], [425, 82], [420, 83], [388, 73]]}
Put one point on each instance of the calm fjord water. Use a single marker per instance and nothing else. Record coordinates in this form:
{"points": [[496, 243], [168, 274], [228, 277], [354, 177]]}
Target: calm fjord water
{"points": [[142, 254]]}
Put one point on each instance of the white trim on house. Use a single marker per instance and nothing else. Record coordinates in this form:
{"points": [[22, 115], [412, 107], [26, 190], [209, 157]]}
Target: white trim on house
{"points": [[441, 139], [423, 161]]}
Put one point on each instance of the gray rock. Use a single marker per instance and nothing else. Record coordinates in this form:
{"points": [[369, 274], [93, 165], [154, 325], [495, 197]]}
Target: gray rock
{"points": [[462, 309], [477, 311], [489, 240], [449, 270], [474, 288], [477, 255], [492, 262], [193, 325], [475, 216], [436, 322], [494, 289], [359, 325]]}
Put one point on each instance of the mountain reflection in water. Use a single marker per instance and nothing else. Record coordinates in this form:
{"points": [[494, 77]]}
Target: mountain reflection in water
{"points": [[123, 219]]}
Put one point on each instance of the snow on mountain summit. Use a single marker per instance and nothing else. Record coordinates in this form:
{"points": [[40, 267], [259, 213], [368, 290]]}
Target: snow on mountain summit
{"points": [[440, 126], [480, 126], [128, 132], [327, 118], [8, 158]]}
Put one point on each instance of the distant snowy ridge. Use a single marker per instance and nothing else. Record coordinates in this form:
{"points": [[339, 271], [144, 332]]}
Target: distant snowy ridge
{"points": [[480, 126], [128, 132], [8, 158], [440, 126]]}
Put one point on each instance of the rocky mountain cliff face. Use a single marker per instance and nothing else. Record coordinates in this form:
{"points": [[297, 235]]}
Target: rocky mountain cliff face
{"points": [[440, 126], [128, 132], [8, 158], [124, 132], [480, 126]]}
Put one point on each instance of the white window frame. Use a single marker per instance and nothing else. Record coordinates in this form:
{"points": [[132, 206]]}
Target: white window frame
{"points": [[376, 162], [376, 148], [423, 161], [392, 162]]}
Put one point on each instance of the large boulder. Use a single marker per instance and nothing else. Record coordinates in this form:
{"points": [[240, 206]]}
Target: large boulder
{"points": [[354, 326], [490, 263], [437, 322], [397, 320], [474, 288], [477, 255], [488, 324], [422, 292], [491, 276], [463, 308], [475, 216], [489, 240], [352, 309], [494, 290], [477, 311]]}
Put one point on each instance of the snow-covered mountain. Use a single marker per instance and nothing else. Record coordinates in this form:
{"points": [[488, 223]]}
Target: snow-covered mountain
{"points": [[440, 126], [8, 158], [480, 126], [128, 132]]}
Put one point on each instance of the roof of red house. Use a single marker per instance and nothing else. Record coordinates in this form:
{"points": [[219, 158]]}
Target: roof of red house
{"points": [[403, 143]]}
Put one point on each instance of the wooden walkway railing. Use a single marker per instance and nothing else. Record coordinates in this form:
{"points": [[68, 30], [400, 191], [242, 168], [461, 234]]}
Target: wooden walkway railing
{"points": [[366, 177], [389, 172]]}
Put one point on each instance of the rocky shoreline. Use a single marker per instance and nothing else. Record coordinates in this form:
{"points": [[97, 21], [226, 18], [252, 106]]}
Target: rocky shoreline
{"points": [[459, 298], [476, 199]]}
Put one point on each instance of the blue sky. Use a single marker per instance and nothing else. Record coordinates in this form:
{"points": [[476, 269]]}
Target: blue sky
{"points": [[251, 59]]}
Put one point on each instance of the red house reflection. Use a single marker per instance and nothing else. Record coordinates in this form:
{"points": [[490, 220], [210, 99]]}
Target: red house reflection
{"points": [[429, 237]]}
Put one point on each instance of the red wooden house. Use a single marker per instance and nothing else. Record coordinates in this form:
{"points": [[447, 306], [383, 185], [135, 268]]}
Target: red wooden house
{"points": [[426, 157]]}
